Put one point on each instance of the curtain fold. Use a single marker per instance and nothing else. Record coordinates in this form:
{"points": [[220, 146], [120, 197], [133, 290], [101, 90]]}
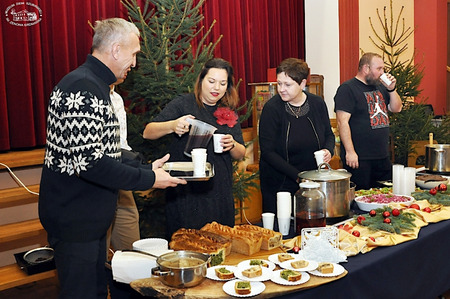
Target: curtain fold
{"points": [[348, 38], [257, 35]]}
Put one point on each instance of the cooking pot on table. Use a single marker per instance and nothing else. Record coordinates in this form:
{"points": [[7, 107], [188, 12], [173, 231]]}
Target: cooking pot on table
{"points": [[335, 184], [437, 158], [182, 269]]}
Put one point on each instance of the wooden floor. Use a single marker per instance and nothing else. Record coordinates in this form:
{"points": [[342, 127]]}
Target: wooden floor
{"points": [[48, 289]]}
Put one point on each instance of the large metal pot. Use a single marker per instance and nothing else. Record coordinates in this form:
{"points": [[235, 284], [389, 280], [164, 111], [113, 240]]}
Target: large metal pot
{"points": [[335, 184], [437, 158], [182, 269]]}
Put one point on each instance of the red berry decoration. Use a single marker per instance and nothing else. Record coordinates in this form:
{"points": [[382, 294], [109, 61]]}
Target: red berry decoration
{"points": [[356, 233], [414, 206], [442, 187], [386, 214], [296, 249], [372, 238], [395, 212], [427, 209], [373, 213], [387, 220], [433, 191], [360, 219]]}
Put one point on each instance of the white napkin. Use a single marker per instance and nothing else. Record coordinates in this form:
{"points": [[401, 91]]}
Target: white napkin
{"points": [[129, 266]]}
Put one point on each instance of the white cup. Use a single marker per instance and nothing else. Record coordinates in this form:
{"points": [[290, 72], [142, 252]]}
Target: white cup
{"points": [[319, 157], [199, 160], [284, 204], [284, 224], [268, 219], [385, 79], [218, 148]]}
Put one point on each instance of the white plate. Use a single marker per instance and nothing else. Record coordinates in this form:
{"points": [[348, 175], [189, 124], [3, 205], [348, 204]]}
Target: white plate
{"points": [[372, 206], [246, 264], [266, 274], [274, 257], [337, 270], [257, 288], [276, 278], [429, 184], [211, 272], [312, 265]]}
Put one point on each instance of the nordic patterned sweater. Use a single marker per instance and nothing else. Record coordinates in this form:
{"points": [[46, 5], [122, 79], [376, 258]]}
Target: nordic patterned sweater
{"points": [[82, 168]]}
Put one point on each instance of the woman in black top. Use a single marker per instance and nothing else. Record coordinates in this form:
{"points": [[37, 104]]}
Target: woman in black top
{"points": [[293, 125], [214, 101]]}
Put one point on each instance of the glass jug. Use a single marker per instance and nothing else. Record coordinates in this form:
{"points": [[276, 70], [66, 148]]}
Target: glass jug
{"points": [[309, 207]]}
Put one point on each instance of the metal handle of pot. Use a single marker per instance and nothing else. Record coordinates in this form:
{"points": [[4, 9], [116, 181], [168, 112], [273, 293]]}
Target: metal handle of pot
{"points": [[141, 252], [319, 168], [157, 272]]}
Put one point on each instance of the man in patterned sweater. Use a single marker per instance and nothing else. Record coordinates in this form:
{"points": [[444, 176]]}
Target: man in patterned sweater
{"points": [[83, 169]]}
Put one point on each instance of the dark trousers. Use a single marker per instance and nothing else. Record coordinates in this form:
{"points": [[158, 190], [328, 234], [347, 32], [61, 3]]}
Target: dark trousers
{"points": [[369, 172], [81, 268]]}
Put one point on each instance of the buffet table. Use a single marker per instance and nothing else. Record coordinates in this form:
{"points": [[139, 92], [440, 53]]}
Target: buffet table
{"points": [[213, 289], [415, 269]]}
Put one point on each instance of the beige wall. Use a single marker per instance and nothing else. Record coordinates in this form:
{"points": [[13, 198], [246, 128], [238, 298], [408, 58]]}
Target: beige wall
{"points": [[368, 8]]}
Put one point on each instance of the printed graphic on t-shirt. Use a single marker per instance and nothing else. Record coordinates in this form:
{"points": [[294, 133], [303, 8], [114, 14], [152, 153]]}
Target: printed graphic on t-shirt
{"points": [[377, 109]]}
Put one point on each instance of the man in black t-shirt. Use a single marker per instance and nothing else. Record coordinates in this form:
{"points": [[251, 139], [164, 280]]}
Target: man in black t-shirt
{"points": [[361, 106]]}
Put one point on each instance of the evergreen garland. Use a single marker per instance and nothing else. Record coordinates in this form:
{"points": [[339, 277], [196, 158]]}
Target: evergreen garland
{"points": [[400, 223], [441, 197]]}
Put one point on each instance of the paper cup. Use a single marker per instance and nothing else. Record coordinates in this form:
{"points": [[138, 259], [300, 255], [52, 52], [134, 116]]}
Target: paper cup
{"points": [[268, 219], [284, 204], [319, 157], [199, 160], [284, 225], [218, 148], [385, 79]]}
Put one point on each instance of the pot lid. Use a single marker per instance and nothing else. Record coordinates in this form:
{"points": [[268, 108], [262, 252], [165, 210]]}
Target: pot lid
{"points": [[325, 174]]}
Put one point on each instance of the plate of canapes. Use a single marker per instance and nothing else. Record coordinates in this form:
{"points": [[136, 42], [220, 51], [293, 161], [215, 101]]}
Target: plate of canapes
{"points": [[299, 265], [221, 272], [253, 273], [243, 288], [328, 270], [289, 277]]}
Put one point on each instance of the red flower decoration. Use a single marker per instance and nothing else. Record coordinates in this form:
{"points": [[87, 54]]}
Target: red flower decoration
{"points": [[226, 116]]}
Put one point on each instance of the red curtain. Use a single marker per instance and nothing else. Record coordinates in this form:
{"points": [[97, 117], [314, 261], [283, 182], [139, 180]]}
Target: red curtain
{"points": [[348, 38], [257, 34]]}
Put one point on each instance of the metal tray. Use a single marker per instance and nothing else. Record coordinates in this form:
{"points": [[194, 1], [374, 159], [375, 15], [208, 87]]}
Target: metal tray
{"points": [[185, 170]]}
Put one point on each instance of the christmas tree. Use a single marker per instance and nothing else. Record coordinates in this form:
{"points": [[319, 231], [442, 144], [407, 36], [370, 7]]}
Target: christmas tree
{"points": [[167, 65]]}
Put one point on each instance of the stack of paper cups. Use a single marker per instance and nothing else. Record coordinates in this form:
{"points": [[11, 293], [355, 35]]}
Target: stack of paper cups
{"points": [[397, 179], [410, 180], [284, 210]]}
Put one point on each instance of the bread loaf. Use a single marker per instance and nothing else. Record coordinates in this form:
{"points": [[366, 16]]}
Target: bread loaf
{"points": [[254, 271], [202, 241], [270, 238], [243, 242]]}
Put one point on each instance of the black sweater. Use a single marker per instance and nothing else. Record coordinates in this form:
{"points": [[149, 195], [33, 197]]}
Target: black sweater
{"points": [[273, 132], [82, 168]]}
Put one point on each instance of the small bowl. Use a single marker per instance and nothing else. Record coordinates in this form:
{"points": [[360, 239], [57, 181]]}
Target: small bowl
{"points": [[364, 206], [151, 244], [429, 184]]}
